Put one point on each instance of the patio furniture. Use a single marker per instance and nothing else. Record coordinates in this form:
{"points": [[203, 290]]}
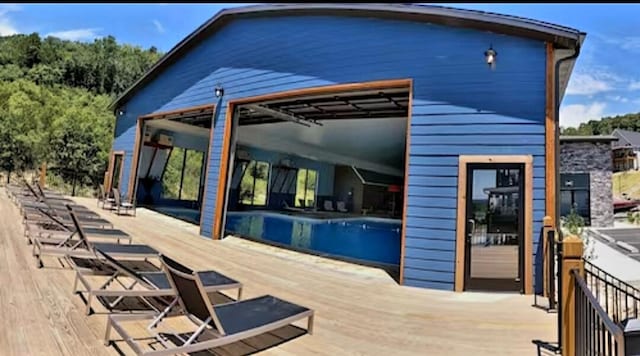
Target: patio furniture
{"points": [[340, 206], [85, 248], [153, 284], [328, 205], [104, 198], [119, 205], [224, 323]]}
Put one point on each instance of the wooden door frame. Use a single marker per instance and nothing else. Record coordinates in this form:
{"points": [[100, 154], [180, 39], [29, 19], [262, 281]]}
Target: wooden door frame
{"points": [[112, 161], [135, 160], [463, 160], [223, 172]]}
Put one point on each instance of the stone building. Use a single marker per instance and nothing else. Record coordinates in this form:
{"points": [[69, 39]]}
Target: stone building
{"points": [[586, 168]]}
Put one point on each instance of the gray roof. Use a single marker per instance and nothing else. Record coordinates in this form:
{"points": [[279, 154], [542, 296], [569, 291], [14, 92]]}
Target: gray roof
{"points": [[626, 138], [598, 138], [562, 37]]}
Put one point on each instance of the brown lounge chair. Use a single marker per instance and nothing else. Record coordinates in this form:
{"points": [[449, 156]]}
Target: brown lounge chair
{"points": [[153, 284], [44, 215], [85, 249], [104, 198], [225, 323]]}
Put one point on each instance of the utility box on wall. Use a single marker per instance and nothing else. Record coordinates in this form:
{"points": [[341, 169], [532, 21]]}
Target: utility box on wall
{"points": [[165, 140]]}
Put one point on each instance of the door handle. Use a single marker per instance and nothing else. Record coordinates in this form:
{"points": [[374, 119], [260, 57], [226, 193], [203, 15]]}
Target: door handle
{"points": [[472, 227]]}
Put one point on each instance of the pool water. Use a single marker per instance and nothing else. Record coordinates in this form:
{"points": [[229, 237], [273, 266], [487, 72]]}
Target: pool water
{"points": [[186, 214], [360, 239]]}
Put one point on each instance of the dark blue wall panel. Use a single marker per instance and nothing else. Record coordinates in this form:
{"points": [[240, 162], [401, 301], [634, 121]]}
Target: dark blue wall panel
{"points": [[460, 106]]}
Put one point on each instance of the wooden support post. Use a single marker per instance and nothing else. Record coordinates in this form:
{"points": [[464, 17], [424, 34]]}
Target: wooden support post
{"points": [[572, 247], [43, 175], [547, 223]]}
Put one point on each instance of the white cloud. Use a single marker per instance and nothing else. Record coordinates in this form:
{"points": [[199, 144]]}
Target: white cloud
{"points": [[575, 114], [7, 27], [618, 98], [627, 43], [587, 84], [76, 35], [158, 26], [634, 85]]}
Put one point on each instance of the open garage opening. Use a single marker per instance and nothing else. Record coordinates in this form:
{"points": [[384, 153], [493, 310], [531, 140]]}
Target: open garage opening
{"points": [[321, 173], [172, 162]]}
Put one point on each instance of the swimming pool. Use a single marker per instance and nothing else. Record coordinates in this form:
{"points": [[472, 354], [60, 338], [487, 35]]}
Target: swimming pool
{"points": [[185, 214], [359, 239]]}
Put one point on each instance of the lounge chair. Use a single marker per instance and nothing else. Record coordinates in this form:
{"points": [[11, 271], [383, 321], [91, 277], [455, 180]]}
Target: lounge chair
{"points": [[56, 231], [104, 198], [340, 206], [328, 205], [85, 248], [225, 323], [154, 284], [286, 206], [119, 205], [44, 215]]}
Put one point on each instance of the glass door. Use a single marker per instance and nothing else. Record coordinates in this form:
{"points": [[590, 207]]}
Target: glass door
{"points": [[494, 238]]}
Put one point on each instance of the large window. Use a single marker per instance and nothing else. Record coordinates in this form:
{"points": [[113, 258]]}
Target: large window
{"points": [[306, 188], [574, 194], [181, 179], [254, 184]]}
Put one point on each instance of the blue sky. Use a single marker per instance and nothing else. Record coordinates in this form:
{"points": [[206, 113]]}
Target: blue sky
{"points": [[605, 81]]}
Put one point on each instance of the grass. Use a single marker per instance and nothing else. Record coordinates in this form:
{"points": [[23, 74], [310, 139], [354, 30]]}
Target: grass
{"points": [[626, 182]]}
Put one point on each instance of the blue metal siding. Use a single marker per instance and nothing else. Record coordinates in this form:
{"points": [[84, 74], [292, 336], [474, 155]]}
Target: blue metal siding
{"points": [[460, 106]]}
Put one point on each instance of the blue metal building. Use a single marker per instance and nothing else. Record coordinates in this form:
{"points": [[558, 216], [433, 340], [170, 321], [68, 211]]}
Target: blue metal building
{"points": [[481, 92]]}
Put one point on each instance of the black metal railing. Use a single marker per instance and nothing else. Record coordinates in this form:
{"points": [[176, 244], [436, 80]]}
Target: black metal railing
{"points": [[595, 331], [619, 299]]}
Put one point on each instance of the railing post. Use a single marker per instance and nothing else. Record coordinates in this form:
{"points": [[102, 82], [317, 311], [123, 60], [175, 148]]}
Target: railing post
{"points": [[43, 175], [547, 224], [572, 250], [632, 337]]}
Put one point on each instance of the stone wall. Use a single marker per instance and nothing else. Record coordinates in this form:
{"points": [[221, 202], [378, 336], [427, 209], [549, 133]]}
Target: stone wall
{"points": [[593, 158]]}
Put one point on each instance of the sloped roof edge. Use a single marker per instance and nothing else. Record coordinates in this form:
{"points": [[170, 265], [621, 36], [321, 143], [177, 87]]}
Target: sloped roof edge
{"points": [[562, 37]]}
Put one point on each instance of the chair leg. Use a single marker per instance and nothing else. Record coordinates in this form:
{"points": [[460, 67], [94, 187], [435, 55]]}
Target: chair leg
{"points": [[107, 334], [89, 300], [310, 325]]}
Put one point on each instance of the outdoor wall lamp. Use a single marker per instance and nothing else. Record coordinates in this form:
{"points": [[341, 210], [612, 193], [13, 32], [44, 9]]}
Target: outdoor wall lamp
{"points": [[490, 56], [121, 112], [219, 91]]}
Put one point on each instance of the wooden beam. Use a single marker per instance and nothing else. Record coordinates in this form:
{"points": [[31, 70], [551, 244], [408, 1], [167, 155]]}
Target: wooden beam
{"points": [[550, 138], [381, 84], [222, 173], [133, 173], [461, 216], [407, 148]]}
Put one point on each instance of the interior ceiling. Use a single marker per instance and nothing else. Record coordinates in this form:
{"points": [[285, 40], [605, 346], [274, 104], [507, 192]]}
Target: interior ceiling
{"points": [[365, 128], [194, 122]]}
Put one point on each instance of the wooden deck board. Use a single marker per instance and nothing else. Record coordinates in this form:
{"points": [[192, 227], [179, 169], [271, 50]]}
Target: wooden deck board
{"points": [[359, 310]]}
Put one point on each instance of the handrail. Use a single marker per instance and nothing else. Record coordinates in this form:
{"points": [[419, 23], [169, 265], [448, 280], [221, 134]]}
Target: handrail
{"points": [[621, 300], [595, 332]]}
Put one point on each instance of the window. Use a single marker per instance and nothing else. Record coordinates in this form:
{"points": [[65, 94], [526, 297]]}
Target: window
{"points": [[306, 188], [181, 178], [574, 194], [254, 184]]}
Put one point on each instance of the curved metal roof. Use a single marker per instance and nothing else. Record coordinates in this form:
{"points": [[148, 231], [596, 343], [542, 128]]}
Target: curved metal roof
{"points": [[562, 37]]}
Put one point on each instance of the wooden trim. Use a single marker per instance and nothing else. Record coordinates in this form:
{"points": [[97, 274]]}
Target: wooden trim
{"points": [[161, 114], [407, 145], [380, 84], [325, 89], [133, 173], [222, 173], [550, 138], [112, 162], [528, 216]]}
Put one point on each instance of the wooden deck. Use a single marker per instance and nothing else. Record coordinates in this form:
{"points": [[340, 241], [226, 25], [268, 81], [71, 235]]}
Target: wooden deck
{"points": [[359, 310]]}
